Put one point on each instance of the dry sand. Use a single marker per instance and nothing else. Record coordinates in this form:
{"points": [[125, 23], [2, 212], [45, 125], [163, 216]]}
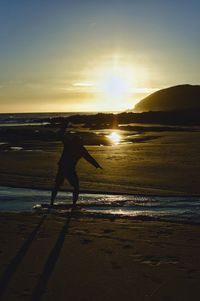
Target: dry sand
{"points": [[56, 257]]}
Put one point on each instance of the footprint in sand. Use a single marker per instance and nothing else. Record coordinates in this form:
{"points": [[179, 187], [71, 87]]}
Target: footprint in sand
{"points": [[127, 246], [115, 265], [80, 232], [86, 241], [106, 251], [154, 260], [106, 231]]}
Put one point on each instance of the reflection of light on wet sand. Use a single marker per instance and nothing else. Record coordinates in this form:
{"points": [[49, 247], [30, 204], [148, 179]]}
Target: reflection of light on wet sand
{"points": [[122, 212], [114, 137], [16, 148]]}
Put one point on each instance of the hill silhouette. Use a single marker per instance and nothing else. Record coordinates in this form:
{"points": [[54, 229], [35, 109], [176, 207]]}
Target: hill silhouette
{"points": [[182, 97]]}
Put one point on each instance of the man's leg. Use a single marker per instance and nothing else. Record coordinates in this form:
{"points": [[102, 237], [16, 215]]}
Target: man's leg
{"points": [[54, 193], [58, 182], [74, 182], [75, 194]]}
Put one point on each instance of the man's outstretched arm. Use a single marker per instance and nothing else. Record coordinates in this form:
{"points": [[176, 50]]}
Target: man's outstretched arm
{"points": [[89, 158]]}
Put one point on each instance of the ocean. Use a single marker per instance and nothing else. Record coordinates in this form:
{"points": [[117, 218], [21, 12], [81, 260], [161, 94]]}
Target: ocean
{"points": [[17, 119], [172, 209]]}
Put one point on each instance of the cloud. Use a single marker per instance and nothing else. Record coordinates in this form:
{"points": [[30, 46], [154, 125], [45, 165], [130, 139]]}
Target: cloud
{"points": [[80, 87], [83, 84]]}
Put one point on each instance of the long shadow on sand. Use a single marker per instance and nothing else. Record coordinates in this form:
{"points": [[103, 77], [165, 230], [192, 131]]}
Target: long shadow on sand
{"points": [[51, 261], [15, 262]]}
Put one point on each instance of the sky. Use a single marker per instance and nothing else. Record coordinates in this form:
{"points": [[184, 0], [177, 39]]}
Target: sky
{"points": [[87, 55]]}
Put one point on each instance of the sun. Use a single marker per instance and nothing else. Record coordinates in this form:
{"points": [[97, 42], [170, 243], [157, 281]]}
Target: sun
{"points": [[115, 85]]}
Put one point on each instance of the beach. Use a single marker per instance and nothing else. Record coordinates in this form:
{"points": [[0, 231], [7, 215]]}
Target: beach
{"points": [[49, 257], [141, 242], [99, 150]]}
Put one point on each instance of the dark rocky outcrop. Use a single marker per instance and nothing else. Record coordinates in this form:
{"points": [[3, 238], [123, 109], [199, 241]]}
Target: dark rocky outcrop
{"points": [[182, 97]]}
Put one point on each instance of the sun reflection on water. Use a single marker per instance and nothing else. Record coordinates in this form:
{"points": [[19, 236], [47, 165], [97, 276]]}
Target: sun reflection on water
{"points": [[114, 137]]}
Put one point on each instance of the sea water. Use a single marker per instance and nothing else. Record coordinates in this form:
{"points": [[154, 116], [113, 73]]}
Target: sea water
{"points": [[28, 119], [175, 209]]}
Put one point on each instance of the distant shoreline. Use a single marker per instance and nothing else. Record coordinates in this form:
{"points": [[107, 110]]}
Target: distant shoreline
{"points": [[176, 117]]}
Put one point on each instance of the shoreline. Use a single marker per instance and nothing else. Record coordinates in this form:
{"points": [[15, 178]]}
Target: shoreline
{"points": [[179, 209]]}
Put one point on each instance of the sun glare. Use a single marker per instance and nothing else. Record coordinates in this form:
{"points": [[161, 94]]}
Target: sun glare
{"points": [[114, 137], [115, 84], [117, 81]]}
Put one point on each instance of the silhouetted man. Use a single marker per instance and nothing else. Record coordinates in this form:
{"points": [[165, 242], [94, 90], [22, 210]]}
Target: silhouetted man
{"points": [[73, 151]]}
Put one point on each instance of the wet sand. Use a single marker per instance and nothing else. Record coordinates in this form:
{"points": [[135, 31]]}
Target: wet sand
{"points": [[167, 165], [54, 257]]}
